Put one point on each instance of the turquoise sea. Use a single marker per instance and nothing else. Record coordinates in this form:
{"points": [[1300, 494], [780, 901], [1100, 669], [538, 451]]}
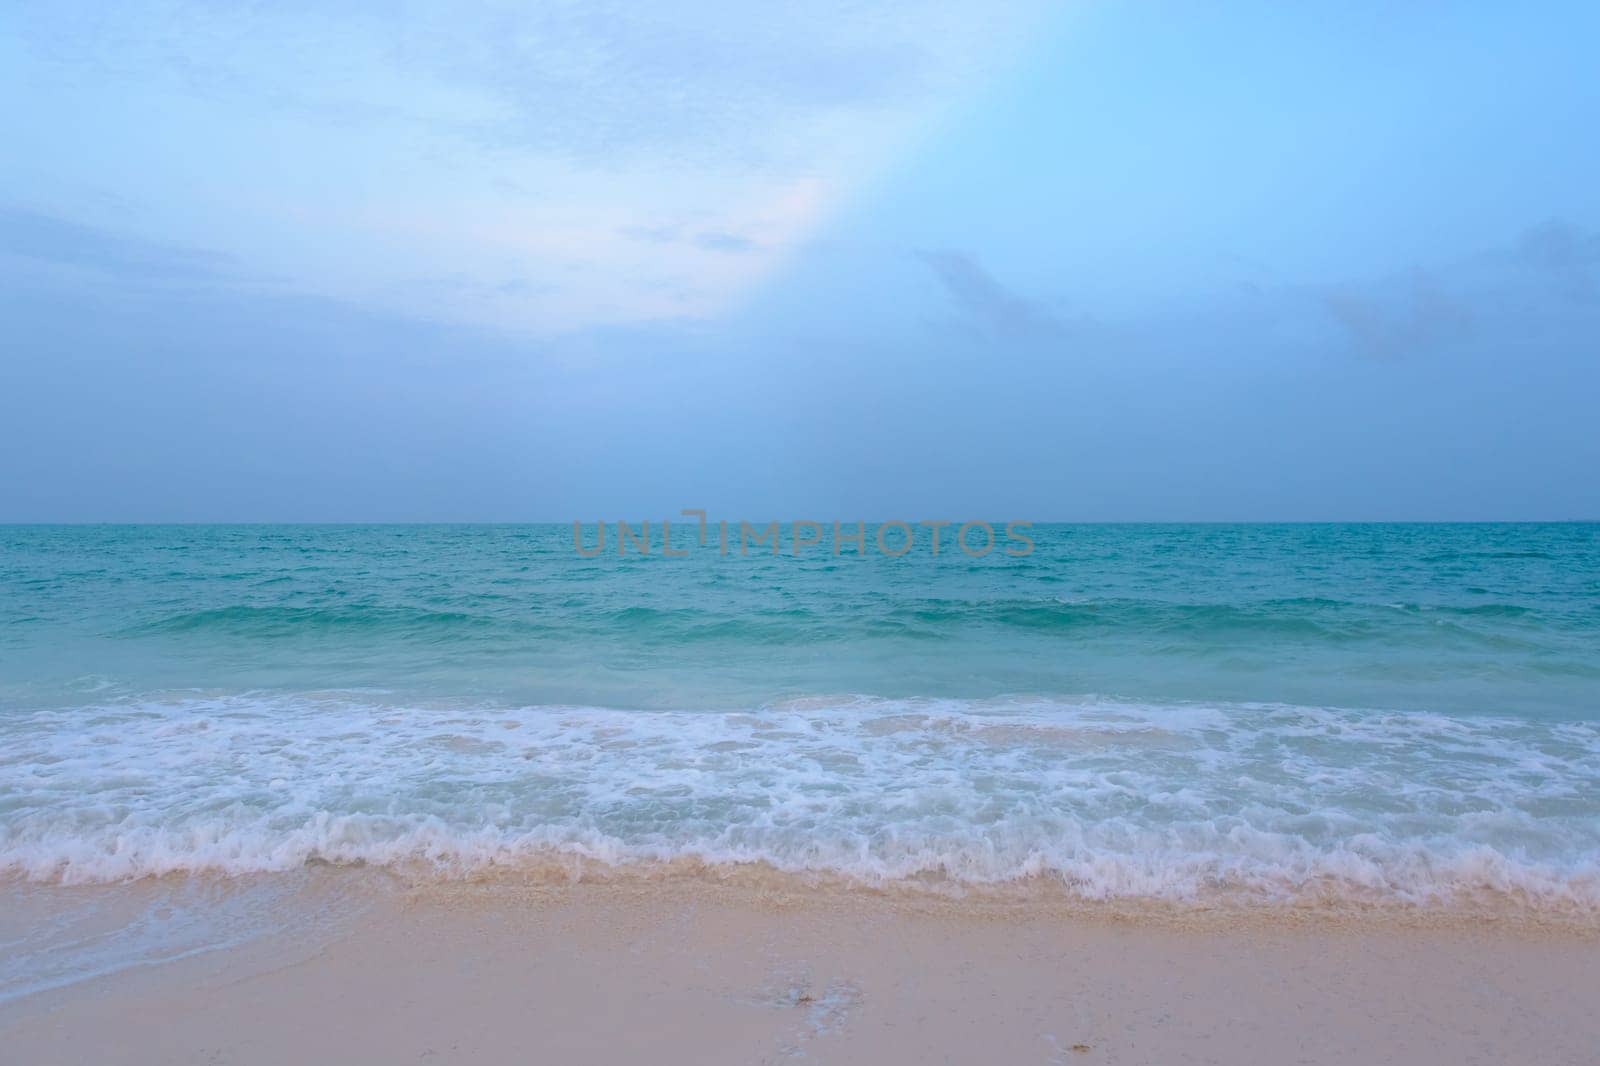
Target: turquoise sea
{"points": [[1394, 712]]}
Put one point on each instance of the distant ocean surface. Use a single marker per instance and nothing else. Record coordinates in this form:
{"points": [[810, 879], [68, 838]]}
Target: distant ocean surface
{"points": [[1378, 712]]}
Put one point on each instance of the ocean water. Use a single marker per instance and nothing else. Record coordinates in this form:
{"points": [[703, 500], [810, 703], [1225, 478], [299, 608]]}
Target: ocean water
{"points": [[1400, 713]]}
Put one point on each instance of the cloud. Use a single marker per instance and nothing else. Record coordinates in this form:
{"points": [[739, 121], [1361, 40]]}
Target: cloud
{"points": [[1566, 255], [1389, 321], [651, 234], [1541, 287], [705, 240], [464, 288], [1548, 273], [724, 242], [604, 81], [490, 139], [48, 239], [983, 300]]}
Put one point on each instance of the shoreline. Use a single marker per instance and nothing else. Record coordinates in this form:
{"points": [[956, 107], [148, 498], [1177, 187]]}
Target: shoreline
{"points": [[685, 969], [1324, 901]]}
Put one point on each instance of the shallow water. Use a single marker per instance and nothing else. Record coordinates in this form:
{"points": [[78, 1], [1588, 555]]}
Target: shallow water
{"points": [[1142, 712]]}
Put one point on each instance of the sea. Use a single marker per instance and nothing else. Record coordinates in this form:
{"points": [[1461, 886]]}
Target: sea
{"points": [[1405, 715]]}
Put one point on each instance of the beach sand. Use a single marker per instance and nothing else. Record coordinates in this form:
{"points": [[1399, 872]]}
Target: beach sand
{"points": [[695, 971]]}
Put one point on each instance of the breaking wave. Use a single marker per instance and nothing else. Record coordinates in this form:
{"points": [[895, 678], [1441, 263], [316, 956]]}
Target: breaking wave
{"points": [[1103, 798]]}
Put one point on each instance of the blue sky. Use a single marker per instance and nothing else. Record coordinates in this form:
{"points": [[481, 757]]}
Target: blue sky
{"points": [[1088, 261]]}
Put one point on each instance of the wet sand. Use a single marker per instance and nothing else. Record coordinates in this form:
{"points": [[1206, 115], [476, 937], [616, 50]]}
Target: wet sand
{"points": [[694, 972]]}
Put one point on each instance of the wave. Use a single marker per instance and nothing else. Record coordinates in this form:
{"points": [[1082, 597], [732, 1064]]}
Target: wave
{"points": [[1279, 871], [1332, 622], [1103, 798], [1299, 620], [280, 621]]}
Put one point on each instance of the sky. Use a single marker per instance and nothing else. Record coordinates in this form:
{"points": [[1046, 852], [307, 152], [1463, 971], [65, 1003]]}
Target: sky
{"points": [[1080, 261]]}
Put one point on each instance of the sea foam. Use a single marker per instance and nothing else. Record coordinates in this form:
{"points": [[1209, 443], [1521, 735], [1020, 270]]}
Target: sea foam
{"points": [[1103, 798]]}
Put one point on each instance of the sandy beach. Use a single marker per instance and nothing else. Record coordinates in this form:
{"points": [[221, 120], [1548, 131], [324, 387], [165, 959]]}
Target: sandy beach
{"points": [[694, 971]]}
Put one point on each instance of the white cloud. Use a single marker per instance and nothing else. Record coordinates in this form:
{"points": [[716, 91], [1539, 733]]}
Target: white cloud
{"points": [[520, 149]]}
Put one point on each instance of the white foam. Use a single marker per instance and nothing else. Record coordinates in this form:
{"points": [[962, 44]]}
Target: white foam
{"points": [[1113, 799]]}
